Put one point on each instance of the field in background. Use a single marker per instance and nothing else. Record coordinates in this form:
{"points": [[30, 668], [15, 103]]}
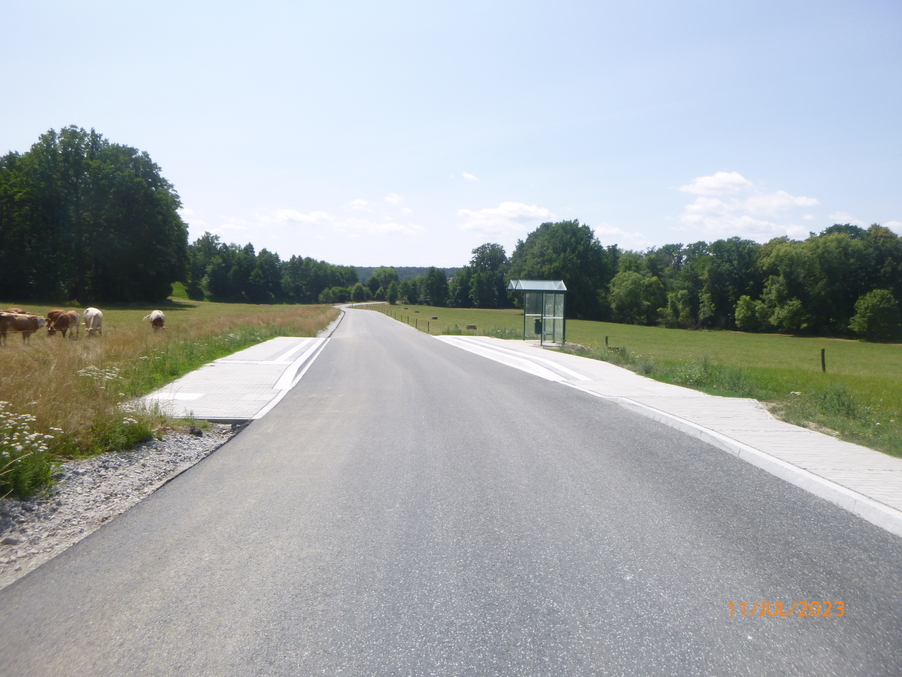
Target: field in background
{"points": [[859, 398], [73, 391], [455, 320]]}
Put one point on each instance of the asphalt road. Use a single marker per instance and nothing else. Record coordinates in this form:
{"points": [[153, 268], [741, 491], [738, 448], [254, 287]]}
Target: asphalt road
{"points": [[413, 509]]}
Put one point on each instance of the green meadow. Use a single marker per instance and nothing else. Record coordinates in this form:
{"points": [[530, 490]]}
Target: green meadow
{"points": [[858, 398], [61, 397]]}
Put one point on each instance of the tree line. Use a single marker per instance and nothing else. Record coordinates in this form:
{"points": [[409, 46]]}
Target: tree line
{"points": [[233, 273], [845, 281]]}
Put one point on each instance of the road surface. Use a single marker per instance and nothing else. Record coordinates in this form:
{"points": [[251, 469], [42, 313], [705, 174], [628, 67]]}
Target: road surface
{"points": [[413, 509]]}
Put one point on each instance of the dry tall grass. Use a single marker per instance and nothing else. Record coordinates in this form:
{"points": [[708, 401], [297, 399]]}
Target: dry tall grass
{"points": [[74, 390]]}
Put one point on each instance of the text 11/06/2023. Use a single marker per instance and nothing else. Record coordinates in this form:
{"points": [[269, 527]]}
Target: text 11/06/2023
{"points": [[797, 609]]}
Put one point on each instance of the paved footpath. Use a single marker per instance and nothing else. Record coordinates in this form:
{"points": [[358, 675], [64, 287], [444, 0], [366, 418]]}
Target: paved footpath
{"points": [[241, 387], [865, 482]]}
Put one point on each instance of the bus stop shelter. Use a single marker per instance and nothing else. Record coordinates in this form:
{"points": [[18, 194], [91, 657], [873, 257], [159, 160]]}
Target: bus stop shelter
{"points": [[543, 309]]}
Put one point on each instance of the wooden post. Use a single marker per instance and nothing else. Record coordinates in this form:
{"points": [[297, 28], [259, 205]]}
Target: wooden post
{"points": [[824, 360]]}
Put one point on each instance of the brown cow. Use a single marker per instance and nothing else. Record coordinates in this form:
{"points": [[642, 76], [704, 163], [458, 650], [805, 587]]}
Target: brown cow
{"points": [[26, 324], [16, 311], [62, 321], [5, 320]]}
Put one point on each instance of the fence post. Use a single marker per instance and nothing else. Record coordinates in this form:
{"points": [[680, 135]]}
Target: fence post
{"points": [[824, 360]]}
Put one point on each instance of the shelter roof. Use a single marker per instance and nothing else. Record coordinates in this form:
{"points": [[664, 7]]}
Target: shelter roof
{"points": [[537, 285]]}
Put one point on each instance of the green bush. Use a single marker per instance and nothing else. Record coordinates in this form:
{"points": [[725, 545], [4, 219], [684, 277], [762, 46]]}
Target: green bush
{"points": [[876, 316]]}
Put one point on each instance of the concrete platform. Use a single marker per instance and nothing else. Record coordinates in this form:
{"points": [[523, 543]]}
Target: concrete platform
{"points": [[241, 387], [861, 480]]}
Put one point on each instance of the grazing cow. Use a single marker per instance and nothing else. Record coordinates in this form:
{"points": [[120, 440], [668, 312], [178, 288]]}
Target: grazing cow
{"points": [[62, 321], [25, 323], [5, 319], [157, 318], [16, 311], [94, 322]]}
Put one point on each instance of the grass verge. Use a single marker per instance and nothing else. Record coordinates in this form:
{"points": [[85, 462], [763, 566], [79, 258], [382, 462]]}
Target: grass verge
{"points": [[62, 398]]}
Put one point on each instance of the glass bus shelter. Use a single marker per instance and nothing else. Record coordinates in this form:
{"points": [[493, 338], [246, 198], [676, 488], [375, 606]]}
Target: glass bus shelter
{"points": [[543, 309]]}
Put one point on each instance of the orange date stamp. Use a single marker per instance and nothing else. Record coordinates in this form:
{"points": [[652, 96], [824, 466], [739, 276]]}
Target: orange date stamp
{"points": [[796, 609]]}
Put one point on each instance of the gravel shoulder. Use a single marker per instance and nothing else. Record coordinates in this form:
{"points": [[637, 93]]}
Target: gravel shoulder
{"points": [[89, 492]]}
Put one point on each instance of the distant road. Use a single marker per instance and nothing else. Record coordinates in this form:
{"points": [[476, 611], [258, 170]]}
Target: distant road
{"points": [[410, 508]]}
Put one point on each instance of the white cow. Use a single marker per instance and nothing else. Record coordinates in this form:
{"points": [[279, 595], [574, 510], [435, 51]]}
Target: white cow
{"points": [[94, 322], [157, 318]]}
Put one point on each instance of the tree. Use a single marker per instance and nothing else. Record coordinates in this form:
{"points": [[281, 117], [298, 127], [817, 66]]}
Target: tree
{"points": [[385, 276], [785, 312], [270, 267], [489, 257], [459, 289], [435, 287], [200, 257], [410, 290], [243, 262], [90, 220], [877, 316], [636, 299], [731, 271], [393, 292], [751, 315], [678, 311], [883, 260], [256, 291], [359, 293], [570, 252], [626, 297], [488, 267]]}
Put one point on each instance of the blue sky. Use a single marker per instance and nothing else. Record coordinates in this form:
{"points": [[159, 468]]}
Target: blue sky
{"points": [[408, 133]]}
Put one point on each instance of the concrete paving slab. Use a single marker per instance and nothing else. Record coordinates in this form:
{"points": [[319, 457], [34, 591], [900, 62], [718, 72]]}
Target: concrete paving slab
{"points": [[240, 387], [861, 480]]}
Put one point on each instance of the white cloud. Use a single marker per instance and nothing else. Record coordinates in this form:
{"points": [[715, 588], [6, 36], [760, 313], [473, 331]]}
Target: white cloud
{"points": [[729, 205], [231, 223], [294, 216], [358, 204], [772, 203], [394, 198], [368, 227], [323, 221], [508, 218], [720, 183], [609, 235], [895, 226], [469, 177], [845, 217]]}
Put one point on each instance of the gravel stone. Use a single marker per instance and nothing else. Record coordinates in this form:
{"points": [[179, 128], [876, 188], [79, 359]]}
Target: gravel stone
{"points": [[89, 492]]}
